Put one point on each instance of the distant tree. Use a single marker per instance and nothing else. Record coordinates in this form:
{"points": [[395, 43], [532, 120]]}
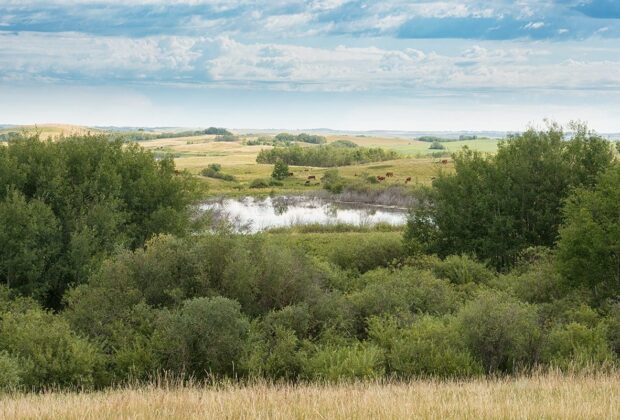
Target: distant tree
{"points": [[435, 145], [217, 131], [280, 170]]}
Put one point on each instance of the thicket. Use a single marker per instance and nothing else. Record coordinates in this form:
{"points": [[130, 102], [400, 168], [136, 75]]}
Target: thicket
{"points": [[304, 306], [324, 156]]}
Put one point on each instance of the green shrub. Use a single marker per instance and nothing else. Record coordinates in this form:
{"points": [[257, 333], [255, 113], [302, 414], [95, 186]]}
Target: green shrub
{"points": [[502, 333], [574, 346], [48, 351], [259, 183], [332, 181], [403, 293], [205, 336], [280, 170], [429, 347], [10, 372], [353, 361], [461, 269]]}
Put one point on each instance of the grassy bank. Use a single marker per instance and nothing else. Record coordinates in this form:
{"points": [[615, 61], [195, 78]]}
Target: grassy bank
{"points": [[543, 396]]}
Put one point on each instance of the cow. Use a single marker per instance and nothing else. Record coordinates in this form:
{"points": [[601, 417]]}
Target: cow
{"points": [[291, 174], [307, 183], [380, 178], [444, 162], [389, 174], [408, 179], [311, 177]]}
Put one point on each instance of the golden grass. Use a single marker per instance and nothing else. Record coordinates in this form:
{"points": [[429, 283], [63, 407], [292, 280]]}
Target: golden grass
{"points": [[540, 396]]}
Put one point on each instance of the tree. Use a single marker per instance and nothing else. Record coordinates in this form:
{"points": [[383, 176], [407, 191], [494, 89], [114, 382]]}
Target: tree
{"points": [[496, 206], [280, 170], [589, 244], [29, 242]]}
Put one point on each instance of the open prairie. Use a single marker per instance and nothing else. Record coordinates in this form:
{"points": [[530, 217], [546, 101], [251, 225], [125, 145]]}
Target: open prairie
{"points": [[546, 396]]}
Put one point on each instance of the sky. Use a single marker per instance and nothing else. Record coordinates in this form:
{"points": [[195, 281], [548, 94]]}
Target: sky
{"points": [[341, 64]]}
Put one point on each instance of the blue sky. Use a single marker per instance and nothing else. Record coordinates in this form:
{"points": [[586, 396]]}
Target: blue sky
{"points": [[359, 65]]}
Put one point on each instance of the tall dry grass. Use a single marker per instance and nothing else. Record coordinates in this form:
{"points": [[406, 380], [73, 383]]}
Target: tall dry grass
{"points": [[537, 396]]}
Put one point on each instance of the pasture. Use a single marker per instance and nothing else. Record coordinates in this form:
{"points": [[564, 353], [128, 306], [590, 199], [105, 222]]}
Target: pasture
{"points": [[538, 396], [196, 153]]}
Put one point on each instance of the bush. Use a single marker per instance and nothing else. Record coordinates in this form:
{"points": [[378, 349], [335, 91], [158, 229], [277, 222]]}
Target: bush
{"points": [[280, 170], [576, 346], [354, 361], [259, 183], [502, 333], [214, 171], [333, 182], [403, 293], [461, 269], [205, 336], [436, 145], [10, 372], [429, 347], [49, 353]]}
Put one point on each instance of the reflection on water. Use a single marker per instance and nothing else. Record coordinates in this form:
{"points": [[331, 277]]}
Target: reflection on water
{"points": [[256, 214]]}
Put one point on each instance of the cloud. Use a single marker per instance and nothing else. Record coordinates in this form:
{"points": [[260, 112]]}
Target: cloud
{"points": [[226, 62]]}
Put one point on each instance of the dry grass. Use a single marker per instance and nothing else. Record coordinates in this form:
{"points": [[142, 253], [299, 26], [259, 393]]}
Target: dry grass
{"points": [[544, 396]]}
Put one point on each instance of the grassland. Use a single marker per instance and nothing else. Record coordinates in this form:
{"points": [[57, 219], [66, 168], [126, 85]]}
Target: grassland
{"points": [[538, 396], [195, 153], [51, 130]]}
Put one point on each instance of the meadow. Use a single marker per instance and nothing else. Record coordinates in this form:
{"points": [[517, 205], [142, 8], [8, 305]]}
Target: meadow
{"points": [[537, 396]]}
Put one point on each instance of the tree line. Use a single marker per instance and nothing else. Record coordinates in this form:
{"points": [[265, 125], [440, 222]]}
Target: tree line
{"points": [[324, 156]]}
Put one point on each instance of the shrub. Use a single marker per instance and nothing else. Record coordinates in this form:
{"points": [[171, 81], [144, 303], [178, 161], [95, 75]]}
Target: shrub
{"points": [[502, 333], [10, 372], [428, 347], [48, 351], [214, 170], [461, 269], [575, 346], [436, 145], [205, 336], [403, 293], [280, 170], [353, 361], [332, 181], [259, 183]]}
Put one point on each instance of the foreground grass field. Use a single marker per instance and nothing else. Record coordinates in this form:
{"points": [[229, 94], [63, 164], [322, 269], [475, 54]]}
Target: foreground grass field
{"points": [[544, 396]]}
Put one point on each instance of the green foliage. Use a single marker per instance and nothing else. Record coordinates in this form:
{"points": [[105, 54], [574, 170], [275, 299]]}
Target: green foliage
{"points": [[226, 137], [502, 333], [428, 347], [49, 353], [214, 170], [324, 156], [280, 170], [496, 206], [344, 143], [461, 269], [10, 372], [589, 245], [332, 181], [286, 138], [80, 198], [575, 346], [217, 131], [205, 336], [353, 361], [260, 183], [436, 145]]}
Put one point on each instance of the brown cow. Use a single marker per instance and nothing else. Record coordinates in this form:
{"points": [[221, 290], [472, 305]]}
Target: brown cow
{"points": [[307, 183], [380, 178], [389, 174], [444, 162], [408, 179], [312, 177]]}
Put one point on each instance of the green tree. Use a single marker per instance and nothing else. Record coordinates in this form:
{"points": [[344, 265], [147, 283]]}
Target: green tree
{"points": [[589, 244], [280, 170], [496, 206], [29, 241]]}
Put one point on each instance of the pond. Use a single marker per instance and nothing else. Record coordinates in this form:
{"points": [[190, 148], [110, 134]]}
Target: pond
{"points": [[255, 214]]}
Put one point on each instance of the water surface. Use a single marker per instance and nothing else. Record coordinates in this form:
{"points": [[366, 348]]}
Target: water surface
{"points": [[255, 214]]}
